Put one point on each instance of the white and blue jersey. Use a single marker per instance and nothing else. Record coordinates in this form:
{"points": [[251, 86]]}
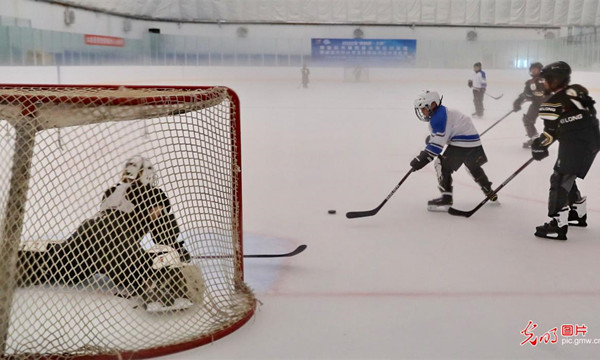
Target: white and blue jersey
{"points": [[451, 127], [479, 80]]}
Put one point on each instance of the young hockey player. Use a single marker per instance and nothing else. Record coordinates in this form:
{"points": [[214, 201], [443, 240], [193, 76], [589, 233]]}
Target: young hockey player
{"points": [[569, 117], [478, 83], [305, 72], [110, 242], [454, 131], [534, 91]]}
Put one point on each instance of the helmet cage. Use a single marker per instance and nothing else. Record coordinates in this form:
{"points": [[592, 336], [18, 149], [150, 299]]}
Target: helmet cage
{"points": [[138, 168], [424, 100]]}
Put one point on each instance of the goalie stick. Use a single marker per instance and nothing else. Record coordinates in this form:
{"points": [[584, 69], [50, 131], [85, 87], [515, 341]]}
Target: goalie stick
{"points": [[453, 211], [496, 123], [494, 97], [357, 214], [297, 251]]}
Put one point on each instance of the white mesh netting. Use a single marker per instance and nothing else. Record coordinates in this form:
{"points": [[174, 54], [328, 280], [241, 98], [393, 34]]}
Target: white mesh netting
{"points": [[93, 262]]}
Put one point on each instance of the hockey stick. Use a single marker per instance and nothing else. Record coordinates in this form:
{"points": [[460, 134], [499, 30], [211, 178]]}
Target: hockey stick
{"points": [[494, 97], [496, 123], [357, 214], [453, 211], [297, 251]]}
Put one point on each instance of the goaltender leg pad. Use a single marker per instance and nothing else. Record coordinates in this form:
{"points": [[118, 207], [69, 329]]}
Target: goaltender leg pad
{"points": [[194, 283], [175, 288], [173, 281]]}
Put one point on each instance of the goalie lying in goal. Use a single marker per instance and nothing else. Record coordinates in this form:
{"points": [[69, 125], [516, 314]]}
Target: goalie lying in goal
{"points": [[110, 244]]}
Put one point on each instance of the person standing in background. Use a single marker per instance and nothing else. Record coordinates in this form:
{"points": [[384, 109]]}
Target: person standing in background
{"points": [[478, 83], [305, 72]]}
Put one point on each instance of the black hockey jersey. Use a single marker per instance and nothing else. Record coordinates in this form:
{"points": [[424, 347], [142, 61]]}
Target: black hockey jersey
{"points": [[570, 117], [534, 91], [133, 214], [570, 109]]}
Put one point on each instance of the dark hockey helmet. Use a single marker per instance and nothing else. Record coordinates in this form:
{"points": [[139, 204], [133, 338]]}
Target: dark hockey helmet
{"points": [[477, 64], [535, 65], [557, 74]]}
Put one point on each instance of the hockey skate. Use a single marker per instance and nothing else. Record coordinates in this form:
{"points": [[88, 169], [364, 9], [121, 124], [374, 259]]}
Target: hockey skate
{"points": [[578, 213], [575, 220], [441, 204], [551, 230]]}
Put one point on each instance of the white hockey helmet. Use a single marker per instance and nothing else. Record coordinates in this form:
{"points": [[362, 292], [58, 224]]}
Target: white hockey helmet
{"points": [[424, 100], [138, 168]]}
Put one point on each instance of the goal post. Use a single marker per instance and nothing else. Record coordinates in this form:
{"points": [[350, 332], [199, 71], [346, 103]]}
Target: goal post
{"points": [[158, 271]]}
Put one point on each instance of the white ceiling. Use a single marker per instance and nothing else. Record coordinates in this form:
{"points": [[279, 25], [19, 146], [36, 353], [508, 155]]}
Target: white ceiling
{"points": [[426, 12]]}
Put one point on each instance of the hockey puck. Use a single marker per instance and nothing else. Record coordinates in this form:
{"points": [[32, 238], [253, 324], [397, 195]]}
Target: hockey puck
{"points": [[331, 212]]}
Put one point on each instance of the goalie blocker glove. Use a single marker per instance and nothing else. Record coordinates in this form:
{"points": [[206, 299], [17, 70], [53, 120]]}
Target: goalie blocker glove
{"points": [[421, 160]]}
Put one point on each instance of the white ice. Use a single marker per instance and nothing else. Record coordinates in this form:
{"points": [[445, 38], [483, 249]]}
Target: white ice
{"points": [[405, 283]]}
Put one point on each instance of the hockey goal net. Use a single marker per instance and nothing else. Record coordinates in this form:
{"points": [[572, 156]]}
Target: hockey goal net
{"points": [[73, 280]]}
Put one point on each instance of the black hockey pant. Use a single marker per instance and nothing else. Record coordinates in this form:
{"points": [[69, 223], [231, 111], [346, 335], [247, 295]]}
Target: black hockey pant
{"points": [[452, 160], [563, 192], [97, 246], [529, 119], [478, 101]]}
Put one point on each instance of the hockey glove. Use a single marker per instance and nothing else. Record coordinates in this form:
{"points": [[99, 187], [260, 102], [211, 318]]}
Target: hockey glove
{"points": [[516, 106], [427, 139], [539, 151], [421, 160], [470, 83]]}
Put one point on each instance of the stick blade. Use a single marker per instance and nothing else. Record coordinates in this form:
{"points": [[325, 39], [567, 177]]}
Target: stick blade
{"points": [[359, 214], [297, 251], [456, 212]]}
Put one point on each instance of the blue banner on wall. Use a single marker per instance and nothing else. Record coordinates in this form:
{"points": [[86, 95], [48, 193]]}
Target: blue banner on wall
{"points": [[373, 52]]}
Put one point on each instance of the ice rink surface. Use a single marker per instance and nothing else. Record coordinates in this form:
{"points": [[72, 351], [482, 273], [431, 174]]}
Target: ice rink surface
{"points": [[405, 283]]}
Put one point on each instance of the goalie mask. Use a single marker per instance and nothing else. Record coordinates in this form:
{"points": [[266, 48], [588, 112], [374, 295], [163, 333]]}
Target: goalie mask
{"points": [[139, 168], [424, 100]]}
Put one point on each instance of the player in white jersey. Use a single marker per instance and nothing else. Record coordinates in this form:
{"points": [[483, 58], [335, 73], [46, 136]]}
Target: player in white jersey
{"points": [[478, 83], [453, 141]]}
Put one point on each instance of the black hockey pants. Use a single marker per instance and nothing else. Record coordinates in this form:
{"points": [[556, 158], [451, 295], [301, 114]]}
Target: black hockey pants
{"points": [[563, 192], [530, 117], [453, 158], [478, 101]]}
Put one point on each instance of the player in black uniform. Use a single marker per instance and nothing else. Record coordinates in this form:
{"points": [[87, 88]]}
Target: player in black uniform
{"points": [[569, 117], [534, 91], [109, 243]]}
